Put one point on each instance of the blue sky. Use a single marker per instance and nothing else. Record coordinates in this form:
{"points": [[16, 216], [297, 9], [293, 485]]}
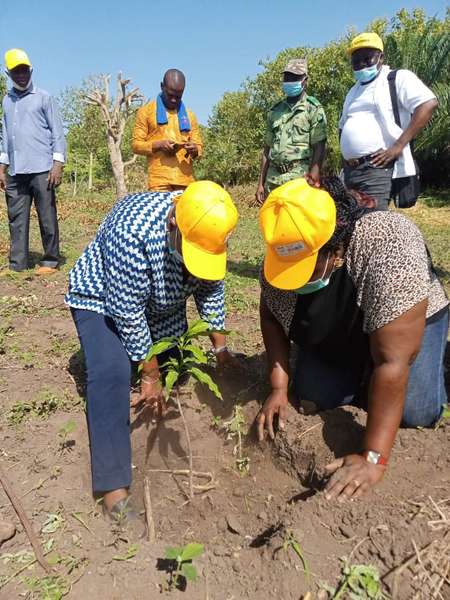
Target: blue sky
{"points": [[217, 44]]}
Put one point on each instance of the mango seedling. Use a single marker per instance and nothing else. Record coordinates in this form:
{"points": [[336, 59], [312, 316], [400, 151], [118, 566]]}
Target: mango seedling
{"points": [[187, 356], [182, 558]]}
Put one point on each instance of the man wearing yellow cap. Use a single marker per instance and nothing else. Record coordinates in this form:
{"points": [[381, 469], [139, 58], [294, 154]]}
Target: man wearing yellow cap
{"points": [[128, 290], [375, 142], [33, 152], [355, 290]]}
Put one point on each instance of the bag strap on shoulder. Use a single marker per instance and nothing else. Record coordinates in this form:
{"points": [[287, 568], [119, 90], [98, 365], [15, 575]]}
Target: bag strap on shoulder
{"points": [[393, 92]]}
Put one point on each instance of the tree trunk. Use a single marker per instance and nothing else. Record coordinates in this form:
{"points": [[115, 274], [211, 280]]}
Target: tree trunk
{"points": [[91, 166], [117, 167]]}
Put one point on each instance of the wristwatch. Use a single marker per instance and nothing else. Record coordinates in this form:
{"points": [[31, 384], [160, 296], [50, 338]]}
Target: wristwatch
{"points": [[374, 457]]}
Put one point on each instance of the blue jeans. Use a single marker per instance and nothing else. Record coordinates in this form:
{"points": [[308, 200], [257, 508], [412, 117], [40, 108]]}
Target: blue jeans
{"points": [[108, 371], [328, 386]]}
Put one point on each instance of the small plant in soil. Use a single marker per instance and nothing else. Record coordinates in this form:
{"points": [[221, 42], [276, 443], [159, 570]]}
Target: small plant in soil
{"points": [[189, 356], [65, 444], [42, 405], [181, 569], [358, 582], [53, 587], [236, 429], [291, 542]]}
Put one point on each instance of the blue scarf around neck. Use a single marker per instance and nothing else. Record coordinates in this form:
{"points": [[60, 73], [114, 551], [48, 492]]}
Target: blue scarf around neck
{"points": [[161, 115]]}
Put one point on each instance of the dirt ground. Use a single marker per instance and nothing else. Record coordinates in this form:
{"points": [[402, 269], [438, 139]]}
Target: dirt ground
{"points": [[246, 521]]}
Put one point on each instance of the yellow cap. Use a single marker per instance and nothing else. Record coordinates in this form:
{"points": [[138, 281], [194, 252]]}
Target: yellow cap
{"points": [[369, 39], [206, 217], [16, 57], [296, 221]]}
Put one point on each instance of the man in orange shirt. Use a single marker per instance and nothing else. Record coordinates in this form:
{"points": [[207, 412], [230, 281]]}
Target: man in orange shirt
{"points": [[168, 134]]}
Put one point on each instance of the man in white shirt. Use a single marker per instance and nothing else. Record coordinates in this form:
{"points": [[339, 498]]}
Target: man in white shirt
{"points": [[374, 148]]}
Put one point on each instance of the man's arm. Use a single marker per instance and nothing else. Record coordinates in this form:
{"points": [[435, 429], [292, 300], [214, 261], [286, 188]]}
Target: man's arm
{"points": [[194, 147], [393, 348], [58, 142], [315, 167], [4, 157], [420, 118], [318, 140], [265, 161], [277, 351]]}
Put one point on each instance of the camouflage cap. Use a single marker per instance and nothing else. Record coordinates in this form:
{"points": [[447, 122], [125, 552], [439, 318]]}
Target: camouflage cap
{"points": [[297, 66]]}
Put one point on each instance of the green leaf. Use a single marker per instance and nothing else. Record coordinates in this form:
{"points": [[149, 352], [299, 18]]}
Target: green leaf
{"points": [[191, 550], [189, 571], [204, 378], [174, 554], [198, 328], [130, 553], [68, 427], [171, 379], [197, 353], [160, 347]]}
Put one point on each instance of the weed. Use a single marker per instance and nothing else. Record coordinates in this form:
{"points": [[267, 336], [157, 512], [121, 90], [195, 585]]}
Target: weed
{"points": [[63, 433], [358, 582], [235, 429], [444, 416], [13, 305], [291, 542], [53, 522], [5, 331], [53, 587], [20, 557], [42, 405], [182, 564], [130, 553], [189, 356], [216, 422]]}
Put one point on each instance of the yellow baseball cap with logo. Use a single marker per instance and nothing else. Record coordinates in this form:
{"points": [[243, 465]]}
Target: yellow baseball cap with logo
{"points": [[368, 39], [16, 57], [296, 220], [206, 216]]}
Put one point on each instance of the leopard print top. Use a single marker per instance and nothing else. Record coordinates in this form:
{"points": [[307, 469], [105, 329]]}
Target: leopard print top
{"points": [[389, 265]]}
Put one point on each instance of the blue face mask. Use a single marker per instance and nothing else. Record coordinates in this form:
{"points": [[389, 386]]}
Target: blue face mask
{"points": [[292, 88], [316, 285], [367, 74]]}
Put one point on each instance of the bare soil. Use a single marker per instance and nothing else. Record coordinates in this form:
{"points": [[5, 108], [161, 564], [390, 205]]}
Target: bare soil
{"points": [[244, 520]]}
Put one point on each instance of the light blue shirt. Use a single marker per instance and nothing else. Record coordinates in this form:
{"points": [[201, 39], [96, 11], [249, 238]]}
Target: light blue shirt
{"points": [[32, 132]]}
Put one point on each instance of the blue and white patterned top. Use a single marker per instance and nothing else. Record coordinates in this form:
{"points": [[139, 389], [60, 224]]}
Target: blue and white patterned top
{"points": [[128, 274]]}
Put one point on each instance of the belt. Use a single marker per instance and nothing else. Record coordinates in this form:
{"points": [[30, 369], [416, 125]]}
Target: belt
{"points": [[286, 167], [355, 162]]}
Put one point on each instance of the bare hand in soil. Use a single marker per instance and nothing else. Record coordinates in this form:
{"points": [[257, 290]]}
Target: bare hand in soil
{"points": [[229, 360], [276, 404], [352, 476], [151, 396]]}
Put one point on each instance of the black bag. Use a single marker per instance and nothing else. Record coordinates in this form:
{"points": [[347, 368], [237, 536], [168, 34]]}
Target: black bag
{"points": [[404, 190]]}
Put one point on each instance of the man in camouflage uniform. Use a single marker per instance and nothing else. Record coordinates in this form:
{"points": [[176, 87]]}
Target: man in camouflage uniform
{"points": [[296, 134]]}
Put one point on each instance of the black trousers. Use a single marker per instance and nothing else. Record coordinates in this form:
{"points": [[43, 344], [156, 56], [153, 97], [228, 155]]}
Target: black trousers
{"points": [[21, 190], [374, 181]]}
